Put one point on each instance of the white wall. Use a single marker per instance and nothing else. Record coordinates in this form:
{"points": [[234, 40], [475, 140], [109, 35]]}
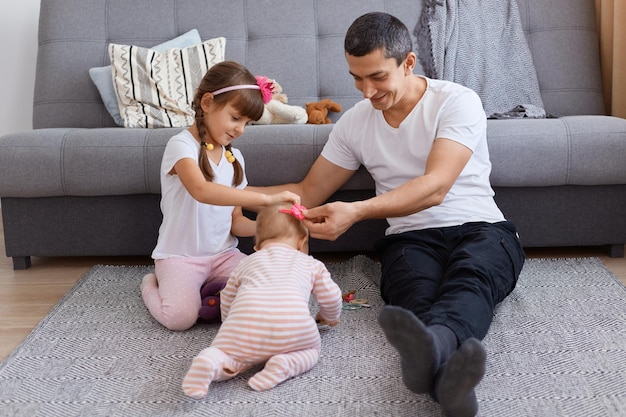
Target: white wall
{"points": [[18, 31]]}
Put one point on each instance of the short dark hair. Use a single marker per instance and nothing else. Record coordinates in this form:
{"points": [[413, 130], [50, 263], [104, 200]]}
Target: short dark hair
{"points": [[378, 30]]}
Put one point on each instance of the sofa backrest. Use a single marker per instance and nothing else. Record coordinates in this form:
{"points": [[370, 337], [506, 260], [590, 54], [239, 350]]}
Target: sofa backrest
{"points": [[297, 42], [563, 41]]}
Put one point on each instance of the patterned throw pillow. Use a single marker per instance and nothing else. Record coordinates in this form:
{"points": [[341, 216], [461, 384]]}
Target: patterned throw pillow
{"points": [[101, 76], [155, 89]]}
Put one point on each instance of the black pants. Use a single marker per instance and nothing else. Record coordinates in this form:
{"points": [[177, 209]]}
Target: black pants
{"points": [[453, 276]]}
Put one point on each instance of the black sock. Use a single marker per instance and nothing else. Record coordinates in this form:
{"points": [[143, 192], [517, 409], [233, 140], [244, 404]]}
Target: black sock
{"points": [[446, 341], [457, 378], [416, 345]]}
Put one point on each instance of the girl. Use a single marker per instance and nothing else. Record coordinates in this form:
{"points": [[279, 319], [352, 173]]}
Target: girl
{"points": [[202, 187]]}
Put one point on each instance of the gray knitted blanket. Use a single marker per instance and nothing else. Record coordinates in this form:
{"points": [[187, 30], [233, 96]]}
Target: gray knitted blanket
{"points": [[481, 44]]}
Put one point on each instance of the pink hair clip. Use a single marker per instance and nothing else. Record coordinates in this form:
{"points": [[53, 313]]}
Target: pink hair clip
{"points": [[267, 87], [296, 211]]}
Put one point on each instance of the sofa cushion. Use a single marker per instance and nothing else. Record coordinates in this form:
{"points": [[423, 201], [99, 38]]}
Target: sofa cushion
{"points": [[117, 161], [101, 76], [571, 150], [156, 89]]}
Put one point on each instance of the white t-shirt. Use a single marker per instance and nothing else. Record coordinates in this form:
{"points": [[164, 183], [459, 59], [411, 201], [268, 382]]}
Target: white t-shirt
{"points": [[393, 156], [191, 228]]}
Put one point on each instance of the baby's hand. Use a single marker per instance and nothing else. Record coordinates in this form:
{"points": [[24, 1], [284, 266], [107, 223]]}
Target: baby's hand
{"points": [[320, 320], [285, 196]]}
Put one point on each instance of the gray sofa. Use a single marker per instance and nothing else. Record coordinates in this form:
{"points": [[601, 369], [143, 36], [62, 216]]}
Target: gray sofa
{"points": [[80, 185]]}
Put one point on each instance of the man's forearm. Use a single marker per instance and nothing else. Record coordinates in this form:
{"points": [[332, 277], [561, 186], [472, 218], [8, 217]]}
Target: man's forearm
{"points": [[273, 189]]}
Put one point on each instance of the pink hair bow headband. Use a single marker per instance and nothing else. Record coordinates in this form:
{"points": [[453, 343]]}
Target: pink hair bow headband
{"points": [[263, 83], [296, 211]]}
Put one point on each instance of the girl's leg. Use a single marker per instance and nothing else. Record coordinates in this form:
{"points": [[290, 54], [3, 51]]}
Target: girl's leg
{"points": [[211, 364], [224, 263], [283, 366], [172, 294]]}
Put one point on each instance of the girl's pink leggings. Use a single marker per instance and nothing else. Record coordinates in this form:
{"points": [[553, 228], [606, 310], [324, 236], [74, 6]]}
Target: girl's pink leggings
{"points": [[172, 293]]}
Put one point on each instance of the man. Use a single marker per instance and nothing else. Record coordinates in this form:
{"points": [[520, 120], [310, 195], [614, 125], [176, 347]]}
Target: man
{"points": [[449, 256]]}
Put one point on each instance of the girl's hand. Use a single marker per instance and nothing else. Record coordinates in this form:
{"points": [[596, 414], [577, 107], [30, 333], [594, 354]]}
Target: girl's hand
{"points": [[242, 226], [285, 196]]}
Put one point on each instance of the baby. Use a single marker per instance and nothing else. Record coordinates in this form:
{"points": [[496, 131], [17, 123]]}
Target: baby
{"points": [[265, 309]]}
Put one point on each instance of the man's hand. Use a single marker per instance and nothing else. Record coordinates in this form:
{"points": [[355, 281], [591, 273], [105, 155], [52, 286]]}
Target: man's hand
{"points": [[330, 220]]}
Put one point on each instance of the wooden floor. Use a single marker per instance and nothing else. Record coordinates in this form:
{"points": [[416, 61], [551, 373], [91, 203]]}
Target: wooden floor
{"points": [[27, 296]]}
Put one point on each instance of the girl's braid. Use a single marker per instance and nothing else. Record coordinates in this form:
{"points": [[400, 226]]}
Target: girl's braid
{"points": [[203, 158]]}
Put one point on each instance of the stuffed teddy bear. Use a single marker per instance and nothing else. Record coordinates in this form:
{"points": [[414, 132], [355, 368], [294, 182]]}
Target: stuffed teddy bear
{"points": [[277, 111], [210, 309], [318, 111]]}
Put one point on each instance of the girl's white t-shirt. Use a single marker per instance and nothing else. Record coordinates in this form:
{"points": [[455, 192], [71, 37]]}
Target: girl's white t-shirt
{"points": [[394, 156], [191, 228]]}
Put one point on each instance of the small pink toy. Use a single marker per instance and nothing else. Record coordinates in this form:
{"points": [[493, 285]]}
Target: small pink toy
{"points": [[296, 211]]}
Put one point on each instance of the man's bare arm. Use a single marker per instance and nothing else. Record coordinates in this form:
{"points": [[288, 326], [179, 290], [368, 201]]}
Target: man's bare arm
{"points": [[445, 163], [322, 180]]}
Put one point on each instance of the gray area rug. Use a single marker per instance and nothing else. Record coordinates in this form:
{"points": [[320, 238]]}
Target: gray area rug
{"points": [[557, 347]]}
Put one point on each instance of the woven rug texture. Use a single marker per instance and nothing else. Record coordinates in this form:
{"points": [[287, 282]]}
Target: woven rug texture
{"points": [[557, 347]]}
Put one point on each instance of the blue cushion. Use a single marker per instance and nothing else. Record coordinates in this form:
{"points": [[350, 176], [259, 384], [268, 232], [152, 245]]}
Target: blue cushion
{"points": [[101, 76]]}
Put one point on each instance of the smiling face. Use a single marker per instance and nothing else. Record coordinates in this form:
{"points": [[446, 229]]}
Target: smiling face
{"points": [[223, 123], [380, 79]]}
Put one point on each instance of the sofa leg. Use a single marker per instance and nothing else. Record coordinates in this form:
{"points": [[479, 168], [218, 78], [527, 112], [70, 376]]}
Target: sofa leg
{"points": [[616, 251], [21, 262]]}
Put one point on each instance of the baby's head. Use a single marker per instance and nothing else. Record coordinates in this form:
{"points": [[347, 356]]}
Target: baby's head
{"points": [[272, 225]]}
